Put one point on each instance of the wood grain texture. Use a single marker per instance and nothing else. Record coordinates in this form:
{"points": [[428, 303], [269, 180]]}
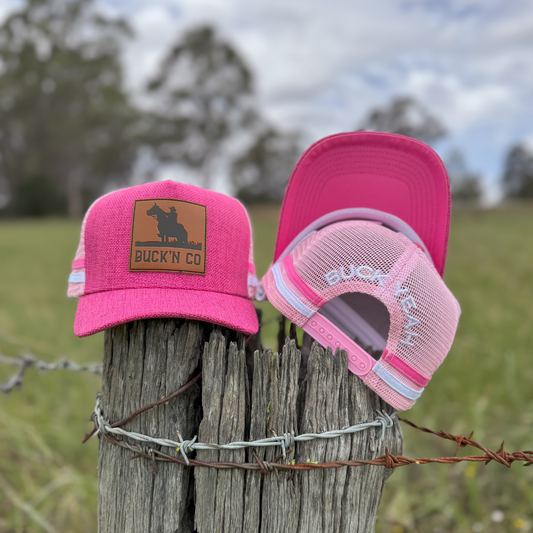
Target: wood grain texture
{"points": [[220, 493], [143, 362], [287, 394]]}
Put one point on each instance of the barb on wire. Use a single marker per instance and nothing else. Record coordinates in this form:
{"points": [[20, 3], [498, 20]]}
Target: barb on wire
{"points": [[501, 456], [29, 360]]}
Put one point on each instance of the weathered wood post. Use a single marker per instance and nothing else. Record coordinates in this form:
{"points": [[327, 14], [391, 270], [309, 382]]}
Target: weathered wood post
{"points": [[146, 360]]}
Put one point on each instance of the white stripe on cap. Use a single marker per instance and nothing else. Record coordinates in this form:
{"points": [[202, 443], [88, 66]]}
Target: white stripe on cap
{"points": [[289, 295], [76, 277], [395, 383]]}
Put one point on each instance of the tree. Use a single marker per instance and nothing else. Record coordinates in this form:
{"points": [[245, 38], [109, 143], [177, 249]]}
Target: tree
{"points": [[203, 95], [465, 185], [64, 116], [261, 174], [405, 116], [518, 173]]}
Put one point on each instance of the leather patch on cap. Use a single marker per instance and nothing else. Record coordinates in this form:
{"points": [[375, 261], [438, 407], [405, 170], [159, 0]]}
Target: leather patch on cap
{"points": [[168, 235]]}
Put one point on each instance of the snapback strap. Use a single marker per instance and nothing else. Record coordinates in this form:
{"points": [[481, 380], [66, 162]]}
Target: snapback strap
{"points": [[326, 333]]}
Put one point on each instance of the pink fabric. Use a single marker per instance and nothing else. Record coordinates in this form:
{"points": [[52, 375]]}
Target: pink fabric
{"points": [[382, 171], [327, 334], [98, 311], [309, 293], [75, 290], [222, 293], [405, 369], [359, 256]]}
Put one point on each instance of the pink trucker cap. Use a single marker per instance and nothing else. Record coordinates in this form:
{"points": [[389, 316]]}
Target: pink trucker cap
{"points": [[164, 249], [361, 279], [374, 172]]}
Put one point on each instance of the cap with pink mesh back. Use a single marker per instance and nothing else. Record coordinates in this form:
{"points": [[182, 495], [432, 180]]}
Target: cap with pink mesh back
{"points": [[376, 171], [164, 249], [362, 279]]}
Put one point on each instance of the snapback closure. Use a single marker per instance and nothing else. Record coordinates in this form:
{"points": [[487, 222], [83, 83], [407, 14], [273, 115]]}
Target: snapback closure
{"points": [[321, 329]]}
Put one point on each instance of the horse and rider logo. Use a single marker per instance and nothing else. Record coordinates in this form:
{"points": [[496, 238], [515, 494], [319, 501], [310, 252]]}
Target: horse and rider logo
{"points": [[168, 235]]}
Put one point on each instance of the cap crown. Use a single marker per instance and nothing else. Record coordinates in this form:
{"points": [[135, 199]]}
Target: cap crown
{"points": [[211, 253]]}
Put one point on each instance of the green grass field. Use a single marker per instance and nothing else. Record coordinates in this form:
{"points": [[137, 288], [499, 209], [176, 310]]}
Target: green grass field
{"points": [[48, 479]]}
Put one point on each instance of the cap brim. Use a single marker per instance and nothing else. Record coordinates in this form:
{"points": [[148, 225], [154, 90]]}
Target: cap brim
{"points": [[381, 171], [104, 310]]}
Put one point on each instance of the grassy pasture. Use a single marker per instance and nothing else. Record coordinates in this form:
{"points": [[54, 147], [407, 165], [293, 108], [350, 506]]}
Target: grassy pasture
{"points": [[48, 479]]}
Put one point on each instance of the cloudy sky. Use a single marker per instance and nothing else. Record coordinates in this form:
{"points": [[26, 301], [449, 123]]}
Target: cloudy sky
{"points": [[321, 65]]}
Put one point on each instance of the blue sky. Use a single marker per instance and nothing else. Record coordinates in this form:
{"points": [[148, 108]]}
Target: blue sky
{"points": [[321, 66]]}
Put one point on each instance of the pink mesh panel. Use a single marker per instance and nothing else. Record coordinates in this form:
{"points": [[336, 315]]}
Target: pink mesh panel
{"points": [[359, 256], [75, 290], [252, 279]]}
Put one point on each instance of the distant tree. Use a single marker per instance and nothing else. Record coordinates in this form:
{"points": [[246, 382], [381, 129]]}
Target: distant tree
{"points": [[66, 126], [465, 185], [405, 116], [261, 174], [518, 173], [204, 100]]}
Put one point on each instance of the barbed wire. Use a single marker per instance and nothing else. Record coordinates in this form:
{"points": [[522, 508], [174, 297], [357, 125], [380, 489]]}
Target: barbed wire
{"points": [[28, 361], [388, 460], [285, 441]]}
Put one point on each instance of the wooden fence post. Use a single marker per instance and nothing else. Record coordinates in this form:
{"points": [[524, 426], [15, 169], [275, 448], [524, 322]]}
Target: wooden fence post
{"points": [[143, 362], [147, 360]]}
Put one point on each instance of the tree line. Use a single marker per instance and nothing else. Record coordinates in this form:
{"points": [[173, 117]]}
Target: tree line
{"points": [[69, 129]]}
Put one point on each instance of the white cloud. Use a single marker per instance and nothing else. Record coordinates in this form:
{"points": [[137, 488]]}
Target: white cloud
{"points": [[320, 66], [458, 105]]}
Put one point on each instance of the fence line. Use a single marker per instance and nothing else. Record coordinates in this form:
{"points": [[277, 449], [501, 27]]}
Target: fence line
{"points": [[286, 442], [388, 460], [28, 361]]}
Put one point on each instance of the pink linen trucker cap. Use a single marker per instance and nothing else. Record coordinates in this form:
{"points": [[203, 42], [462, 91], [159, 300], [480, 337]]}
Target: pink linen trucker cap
{"points": [[360, 279], [373, 175], [164, 249]]}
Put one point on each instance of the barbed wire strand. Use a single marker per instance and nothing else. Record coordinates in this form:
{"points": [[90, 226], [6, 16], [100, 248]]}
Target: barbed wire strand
{"points": [[285, 441], [28, 361], [388, 460]]}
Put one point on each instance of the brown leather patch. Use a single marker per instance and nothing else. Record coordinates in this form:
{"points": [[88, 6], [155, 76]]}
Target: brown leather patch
{"points": [[168, 235]]}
